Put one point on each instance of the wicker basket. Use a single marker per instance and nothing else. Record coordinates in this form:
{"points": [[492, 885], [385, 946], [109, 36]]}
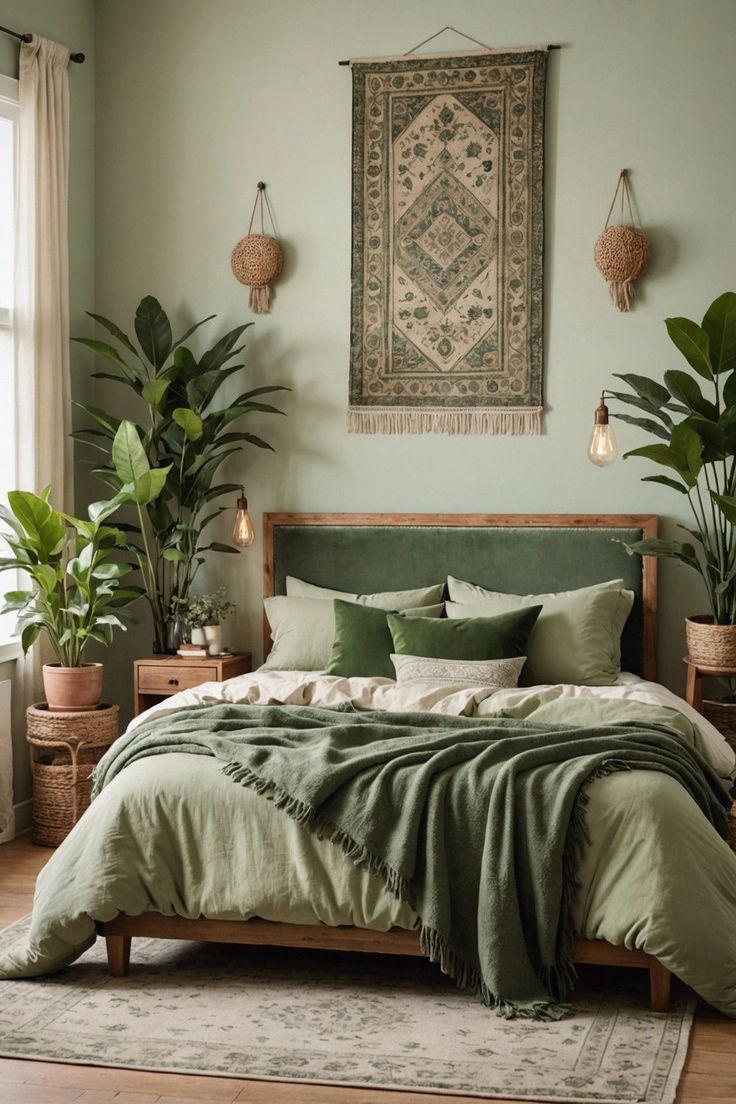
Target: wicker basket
{"points": [[710, 645], [65, 747], [722, 714]]}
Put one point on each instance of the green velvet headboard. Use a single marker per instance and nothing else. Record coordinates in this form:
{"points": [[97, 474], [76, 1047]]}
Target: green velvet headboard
{"points": [[511, 552]]}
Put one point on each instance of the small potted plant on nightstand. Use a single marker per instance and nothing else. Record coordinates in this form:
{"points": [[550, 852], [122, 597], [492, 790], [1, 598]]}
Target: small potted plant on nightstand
{"points": [[205, 615]]}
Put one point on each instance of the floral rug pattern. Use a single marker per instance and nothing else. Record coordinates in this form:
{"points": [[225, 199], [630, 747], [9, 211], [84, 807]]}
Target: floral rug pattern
{"points": [[289, 1015]]}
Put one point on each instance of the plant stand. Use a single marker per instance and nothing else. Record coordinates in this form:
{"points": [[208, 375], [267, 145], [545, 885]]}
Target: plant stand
{"points": [[65, 748], [720, 713]]}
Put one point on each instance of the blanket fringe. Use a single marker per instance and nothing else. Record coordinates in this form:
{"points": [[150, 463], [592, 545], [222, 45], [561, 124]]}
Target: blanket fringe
{"points": [[558, 979], [513, 420]]}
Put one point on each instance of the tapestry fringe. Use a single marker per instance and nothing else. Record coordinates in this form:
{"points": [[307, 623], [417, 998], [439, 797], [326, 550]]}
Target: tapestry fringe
{"points": [[524, 420]]}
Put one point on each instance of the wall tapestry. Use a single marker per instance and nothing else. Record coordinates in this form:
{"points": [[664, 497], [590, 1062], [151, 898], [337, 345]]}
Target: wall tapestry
{"points": [[448, 158]]}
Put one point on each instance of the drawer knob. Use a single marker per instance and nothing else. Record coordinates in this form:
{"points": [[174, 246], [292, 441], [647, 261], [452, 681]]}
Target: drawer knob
{"points": [[173, 682]]}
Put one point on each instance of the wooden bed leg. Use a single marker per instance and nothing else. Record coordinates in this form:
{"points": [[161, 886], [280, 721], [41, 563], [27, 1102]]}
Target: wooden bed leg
{"points": [[659, 986], [118, 954]]}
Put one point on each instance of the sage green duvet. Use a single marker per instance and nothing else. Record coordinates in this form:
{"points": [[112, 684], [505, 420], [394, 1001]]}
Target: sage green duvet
{"points": [[173, 834]]}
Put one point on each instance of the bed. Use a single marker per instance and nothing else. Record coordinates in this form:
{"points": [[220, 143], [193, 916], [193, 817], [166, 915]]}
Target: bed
{"points": [[514, 553]]}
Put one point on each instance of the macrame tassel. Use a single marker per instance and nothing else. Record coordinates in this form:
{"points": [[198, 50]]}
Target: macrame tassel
{"points": [[260, 299], [622, 294]]}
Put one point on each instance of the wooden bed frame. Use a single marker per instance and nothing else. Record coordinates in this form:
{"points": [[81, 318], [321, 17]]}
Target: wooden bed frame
{"points": [[119, 932]]}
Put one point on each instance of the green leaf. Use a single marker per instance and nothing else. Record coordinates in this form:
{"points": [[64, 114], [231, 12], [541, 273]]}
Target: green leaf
{"points": [[30, 635], [687, 447], [693, 343], [643, 423], [154, 391], [42, 524], [116, 332], [128, 454], [109, 351], [649, 390], [217, 546], [190, 422], [174, 555], [729, 390], [222, 489], [672, 549], [110, 570], [107, 421], [263, 407], [153, 330], [260, 443], [684, 388], [662, 454], [645, 405], [666, 482], [223, 349], [191, 330], [719, 323], [727, 506]]}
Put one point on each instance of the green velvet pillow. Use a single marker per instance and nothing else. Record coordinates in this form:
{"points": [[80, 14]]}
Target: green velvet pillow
{"points": [[385, 600], [502, 637], [363, 645]]}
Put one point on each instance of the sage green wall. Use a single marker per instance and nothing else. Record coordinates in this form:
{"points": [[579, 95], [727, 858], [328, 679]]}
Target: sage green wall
{"points": [[72, 23], [196, 102]]}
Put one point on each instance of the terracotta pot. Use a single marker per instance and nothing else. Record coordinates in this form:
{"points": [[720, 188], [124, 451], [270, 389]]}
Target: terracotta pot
{"points": [[72, 689], [708, 644]]}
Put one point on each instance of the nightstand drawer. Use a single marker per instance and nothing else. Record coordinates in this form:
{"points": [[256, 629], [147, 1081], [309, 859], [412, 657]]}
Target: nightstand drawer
{"points": [[162, 679]]}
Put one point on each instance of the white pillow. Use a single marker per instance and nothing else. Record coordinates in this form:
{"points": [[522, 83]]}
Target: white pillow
{"points": [[385, 600], [499, 674]]}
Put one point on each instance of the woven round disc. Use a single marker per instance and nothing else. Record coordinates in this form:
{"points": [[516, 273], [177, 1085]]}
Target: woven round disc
{"points": [[256, 260], [621, 253]]}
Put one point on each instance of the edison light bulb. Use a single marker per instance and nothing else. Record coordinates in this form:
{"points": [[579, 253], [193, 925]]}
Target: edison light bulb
{"points": [[602, 447], [243, 531]]}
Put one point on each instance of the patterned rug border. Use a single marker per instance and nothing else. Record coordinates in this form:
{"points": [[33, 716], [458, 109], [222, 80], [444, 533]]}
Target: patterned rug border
{"points": [[668, 1096]]}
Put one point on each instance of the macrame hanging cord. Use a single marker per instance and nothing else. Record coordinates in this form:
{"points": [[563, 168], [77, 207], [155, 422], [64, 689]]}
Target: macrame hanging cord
{"points": [[622, 251], [257, 258]]}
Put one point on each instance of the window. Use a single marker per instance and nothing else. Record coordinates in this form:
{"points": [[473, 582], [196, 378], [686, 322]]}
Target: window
{"points": [[8, 169]]}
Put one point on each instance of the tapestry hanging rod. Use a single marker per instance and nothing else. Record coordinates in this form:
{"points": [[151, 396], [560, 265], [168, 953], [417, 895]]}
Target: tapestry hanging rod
{"points": [[462, 34], [79, 58]]}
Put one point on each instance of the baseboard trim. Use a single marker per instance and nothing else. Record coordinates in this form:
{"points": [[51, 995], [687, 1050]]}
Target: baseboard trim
{"points": [[22, 813]]}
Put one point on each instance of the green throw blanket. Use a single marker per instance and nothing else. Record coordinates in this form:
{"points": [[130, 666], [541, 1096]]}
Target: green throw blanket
{"points": [[476, 823]]}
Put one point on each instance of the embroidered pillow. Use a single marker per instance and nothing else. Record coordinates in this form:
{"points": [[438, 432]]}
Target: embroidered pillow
{"points": [[499, 674]]}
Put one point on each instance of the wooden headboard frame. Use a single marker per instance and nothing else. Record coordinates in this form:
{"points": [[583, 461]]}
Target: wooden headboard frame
{"points": [[646, 522]]}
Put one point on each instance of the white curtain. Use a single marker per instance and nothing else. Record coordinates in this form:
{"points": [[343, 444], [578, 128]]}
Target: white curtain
{"points": [[41, 308]]}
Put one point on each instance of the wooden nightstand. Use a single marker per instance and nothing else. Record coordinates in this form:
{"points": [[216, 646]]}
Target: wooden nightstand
{"points": [[161, 676]]}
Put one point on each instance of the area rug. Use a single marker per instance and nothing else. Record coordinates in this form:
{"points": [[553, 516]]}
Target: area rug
{"points": [[446, 331], [350, 1020]]}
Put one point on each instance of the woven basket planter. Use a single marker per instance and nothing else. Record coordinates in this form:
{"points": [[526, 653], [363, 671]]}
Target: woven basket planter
{"points": [[708, 644], [65, 748], [722, 714]]}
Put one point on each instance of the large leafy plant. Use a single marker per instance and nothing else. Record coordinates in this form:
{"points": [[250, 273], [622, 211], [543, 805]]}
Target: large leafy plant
{"points": [[693, 415], [183, 431], [73, 590]]}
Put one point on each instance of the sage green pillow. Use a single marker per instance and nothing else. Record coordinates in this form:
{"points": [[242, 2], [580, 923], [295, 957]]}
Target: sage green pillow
{"points": [[502, 637], [303, 630], [385, 600], [577, 638]]}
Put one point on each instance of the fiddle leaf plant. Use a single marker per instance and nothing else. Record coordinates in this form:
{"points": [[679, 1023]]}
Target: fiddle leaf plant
{"points": [[185, 432], [73, 591], [693, 416]]}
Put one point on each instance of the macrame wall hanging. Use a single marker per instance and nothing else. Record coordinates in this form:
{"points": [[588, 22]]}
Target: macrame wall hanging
{"points": [[257, 259], [622, 251]]}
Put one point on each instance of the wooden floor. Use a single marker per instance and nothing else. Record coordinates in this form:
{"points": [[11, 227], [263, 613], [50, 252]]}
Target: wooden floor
{"points": [[710, 1072]]}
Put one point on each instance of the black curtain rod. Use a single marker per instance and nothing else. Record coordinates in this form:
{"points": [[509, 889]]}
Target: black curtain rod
{"points": [[550, 47], [79, 58]]}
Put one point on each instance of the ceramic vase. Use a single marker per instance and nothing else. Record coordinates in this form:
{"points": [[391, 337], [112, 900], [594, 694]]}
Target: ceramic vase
{"points": [[213, 636]]}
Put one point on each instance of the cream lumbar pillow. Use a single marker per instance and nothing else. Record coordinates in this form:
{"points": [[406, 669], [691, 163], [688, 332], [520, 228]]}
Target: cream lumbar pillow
{"points": [[303, 631], [498, 674], [577, 637], [385, 600]]}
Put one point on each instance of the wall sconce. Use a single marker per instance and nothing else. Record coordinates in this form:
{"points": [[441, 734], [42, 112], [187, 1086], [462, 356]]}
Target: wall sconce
{"points": [[602, 449], [243, 531]]}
